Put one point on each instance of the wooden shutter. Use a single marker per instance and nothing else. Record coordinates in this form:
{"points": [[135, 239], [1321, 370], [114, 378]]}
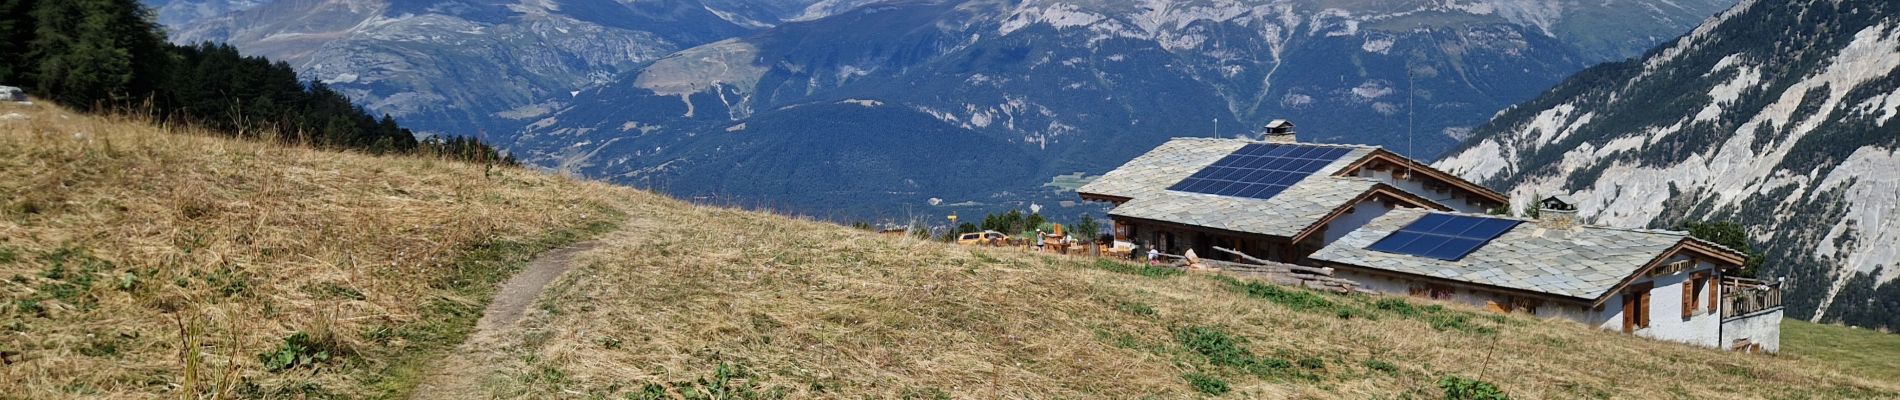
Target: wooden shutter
{"points": [[1629, 312], [1688, 298], [1715, 295], [1642, 309]]}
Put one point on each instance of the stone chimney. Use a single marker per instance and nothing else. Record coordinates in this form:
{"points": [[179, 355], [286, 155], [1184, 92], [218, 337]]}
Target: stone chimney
{"points": [[1279, 131], [1557, 212]]}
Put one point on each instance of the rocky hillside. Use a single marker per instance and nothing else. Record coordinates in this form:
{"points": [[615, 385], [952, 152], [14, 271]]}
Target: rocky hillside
{"points": [[983, 101], [1776, 114], [467, 66]]}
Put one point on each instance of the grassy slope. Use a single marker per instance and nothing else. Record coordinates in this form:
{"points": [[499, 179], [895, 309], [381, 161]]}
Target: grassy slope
{"points": [[815, 310], [119, 242], [1872, 354], [113, 234]]}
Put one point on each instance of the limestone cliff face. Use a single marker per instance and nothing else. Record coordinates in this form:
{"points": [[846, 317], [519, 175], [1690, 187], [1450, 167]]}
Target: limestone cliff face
{"points": [[1776, 114]]}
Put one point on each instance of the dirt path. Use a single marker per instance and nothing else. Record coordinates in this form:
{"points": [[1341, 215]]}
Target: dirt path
{"points": [[460, 375]]}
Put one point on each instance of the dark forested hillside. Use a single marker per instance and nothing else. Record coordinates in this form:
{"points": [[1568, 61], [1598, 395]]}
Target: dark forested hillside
{"points": [[108, 56], [1778, 115]]}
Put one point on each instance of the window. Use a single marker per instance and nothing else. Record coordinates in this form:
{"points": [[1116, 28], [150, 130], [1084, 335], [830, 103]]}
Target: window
{"points": [[1636, 308], [1527, 305], [1692, 293]]}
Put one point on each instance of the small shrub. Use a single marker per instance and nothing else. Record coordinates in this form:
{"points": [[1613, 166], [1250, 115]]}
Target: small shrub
{"points": [[29, 307], [1312, 363], [1205, 383], [1461, 388], [1381, 366], [299, 350]]}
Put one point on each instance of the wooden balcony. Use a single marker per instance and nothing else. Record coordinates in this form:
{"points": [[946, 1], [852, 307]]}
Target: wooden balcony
{"points": [[1743, 297]]}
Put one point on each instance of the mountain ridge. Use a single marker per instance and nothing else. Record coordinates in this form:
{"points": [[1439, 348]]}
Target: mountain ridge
{"points": [[1074, 86], [1773, 115]]}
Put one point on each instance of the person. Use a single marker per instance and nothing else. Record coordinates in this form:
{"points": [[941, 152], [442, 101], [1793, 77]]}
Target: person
{"points": [[1040, 239], [1154, 256]]}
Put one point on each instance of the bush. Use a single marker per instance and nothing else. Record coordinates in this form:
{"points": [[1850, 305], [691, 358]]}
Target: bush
{"points": [[1461, 388]]}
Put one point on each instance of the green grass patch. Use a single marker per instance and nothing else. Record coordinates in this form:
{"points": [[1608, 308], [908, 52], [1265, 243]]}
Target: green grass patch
{"points": [[1224, 350], [1439, 317], [1296, 299], [1867, 353], [736, 382], [1381, 366], [1135, 308], [1461, 388], [1136, 269], [1205, 383]]}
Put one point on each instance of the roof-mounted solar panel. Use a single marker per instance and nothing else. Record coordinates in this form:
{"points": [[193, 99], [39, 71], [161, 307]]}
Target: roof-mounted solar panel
{"points": [[1260, 170], [1444, 237]]}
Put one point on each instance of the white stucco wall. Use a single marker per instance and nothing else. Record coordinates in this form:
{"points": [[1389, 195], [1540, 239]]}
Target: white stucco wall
{"points": [[1702, 328], [1416, 187], [1361, 214], [1762, 328]]}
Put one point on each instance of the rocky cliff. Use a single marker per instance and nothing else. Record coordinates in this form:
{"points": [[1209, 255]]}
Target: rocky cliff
{"points": [[1776, 114]]}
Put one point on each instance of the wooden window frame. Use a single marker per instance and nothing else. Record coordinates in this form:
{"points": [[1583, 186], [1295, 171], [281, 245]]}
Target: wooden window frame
{"points": [[1692, 291]]}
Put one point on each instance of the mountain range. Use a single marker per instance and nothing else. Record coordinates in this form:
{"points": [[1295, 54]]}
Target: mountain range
{"points": [[1778, 115], [981, 103], [468, 66]]}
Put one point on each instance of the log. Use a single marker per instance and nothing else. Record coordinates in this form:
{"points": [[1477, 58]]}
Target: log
{"points": [[1297, 268]]}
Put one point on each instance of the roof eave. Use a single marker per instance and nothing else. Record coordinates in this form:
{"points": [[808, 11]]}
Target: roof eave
{"points": [[1455, 180], [1376, 189]]}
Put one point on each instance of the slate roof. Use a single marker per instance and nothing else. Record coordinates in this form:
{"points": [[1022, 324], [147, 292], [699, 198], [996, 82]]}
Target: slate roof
{"points": [[1583, 262], [1145, 180]]}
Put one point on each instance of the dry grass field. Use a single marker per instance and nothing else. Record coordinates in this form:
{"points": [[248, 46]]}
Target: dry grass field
{"points": [[138, 262], [141, 263], [699, 301]]}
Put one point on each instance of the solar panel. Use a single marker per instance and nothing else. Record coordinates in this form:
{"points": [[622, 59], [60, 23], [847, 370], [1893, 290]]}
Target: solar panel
{"points": [[1444, 237], [1260, 171]]}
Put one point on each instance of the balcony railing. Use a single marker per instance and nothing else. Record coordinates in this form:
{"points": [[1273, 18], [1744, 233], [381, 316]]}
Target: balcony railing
{"points": [[1743, 296]]}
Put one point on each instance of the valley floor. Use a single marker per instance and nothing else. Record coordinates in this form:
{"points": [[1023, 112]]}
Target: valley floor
{"points": [[140, 263]]}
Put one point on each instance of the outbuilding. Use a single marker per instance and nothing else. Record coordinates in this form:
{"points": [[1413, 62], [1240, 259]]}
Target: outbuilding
{"points": [[1658, 284]]}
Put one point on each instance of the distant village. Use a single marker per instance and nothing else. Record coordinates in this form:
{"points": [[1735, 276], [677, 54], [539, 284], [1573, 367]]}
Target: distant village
{"points": [[1363, 219]]}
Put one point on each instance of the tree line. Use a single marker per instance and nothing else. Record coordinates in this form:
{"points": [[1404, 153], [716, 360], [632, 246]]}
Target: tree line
{"points": [[110, 56]]}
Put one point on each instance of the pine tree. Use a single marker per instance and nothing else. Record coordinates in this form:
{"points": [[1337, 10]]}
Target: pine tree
{"points": [[17, 28]]}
